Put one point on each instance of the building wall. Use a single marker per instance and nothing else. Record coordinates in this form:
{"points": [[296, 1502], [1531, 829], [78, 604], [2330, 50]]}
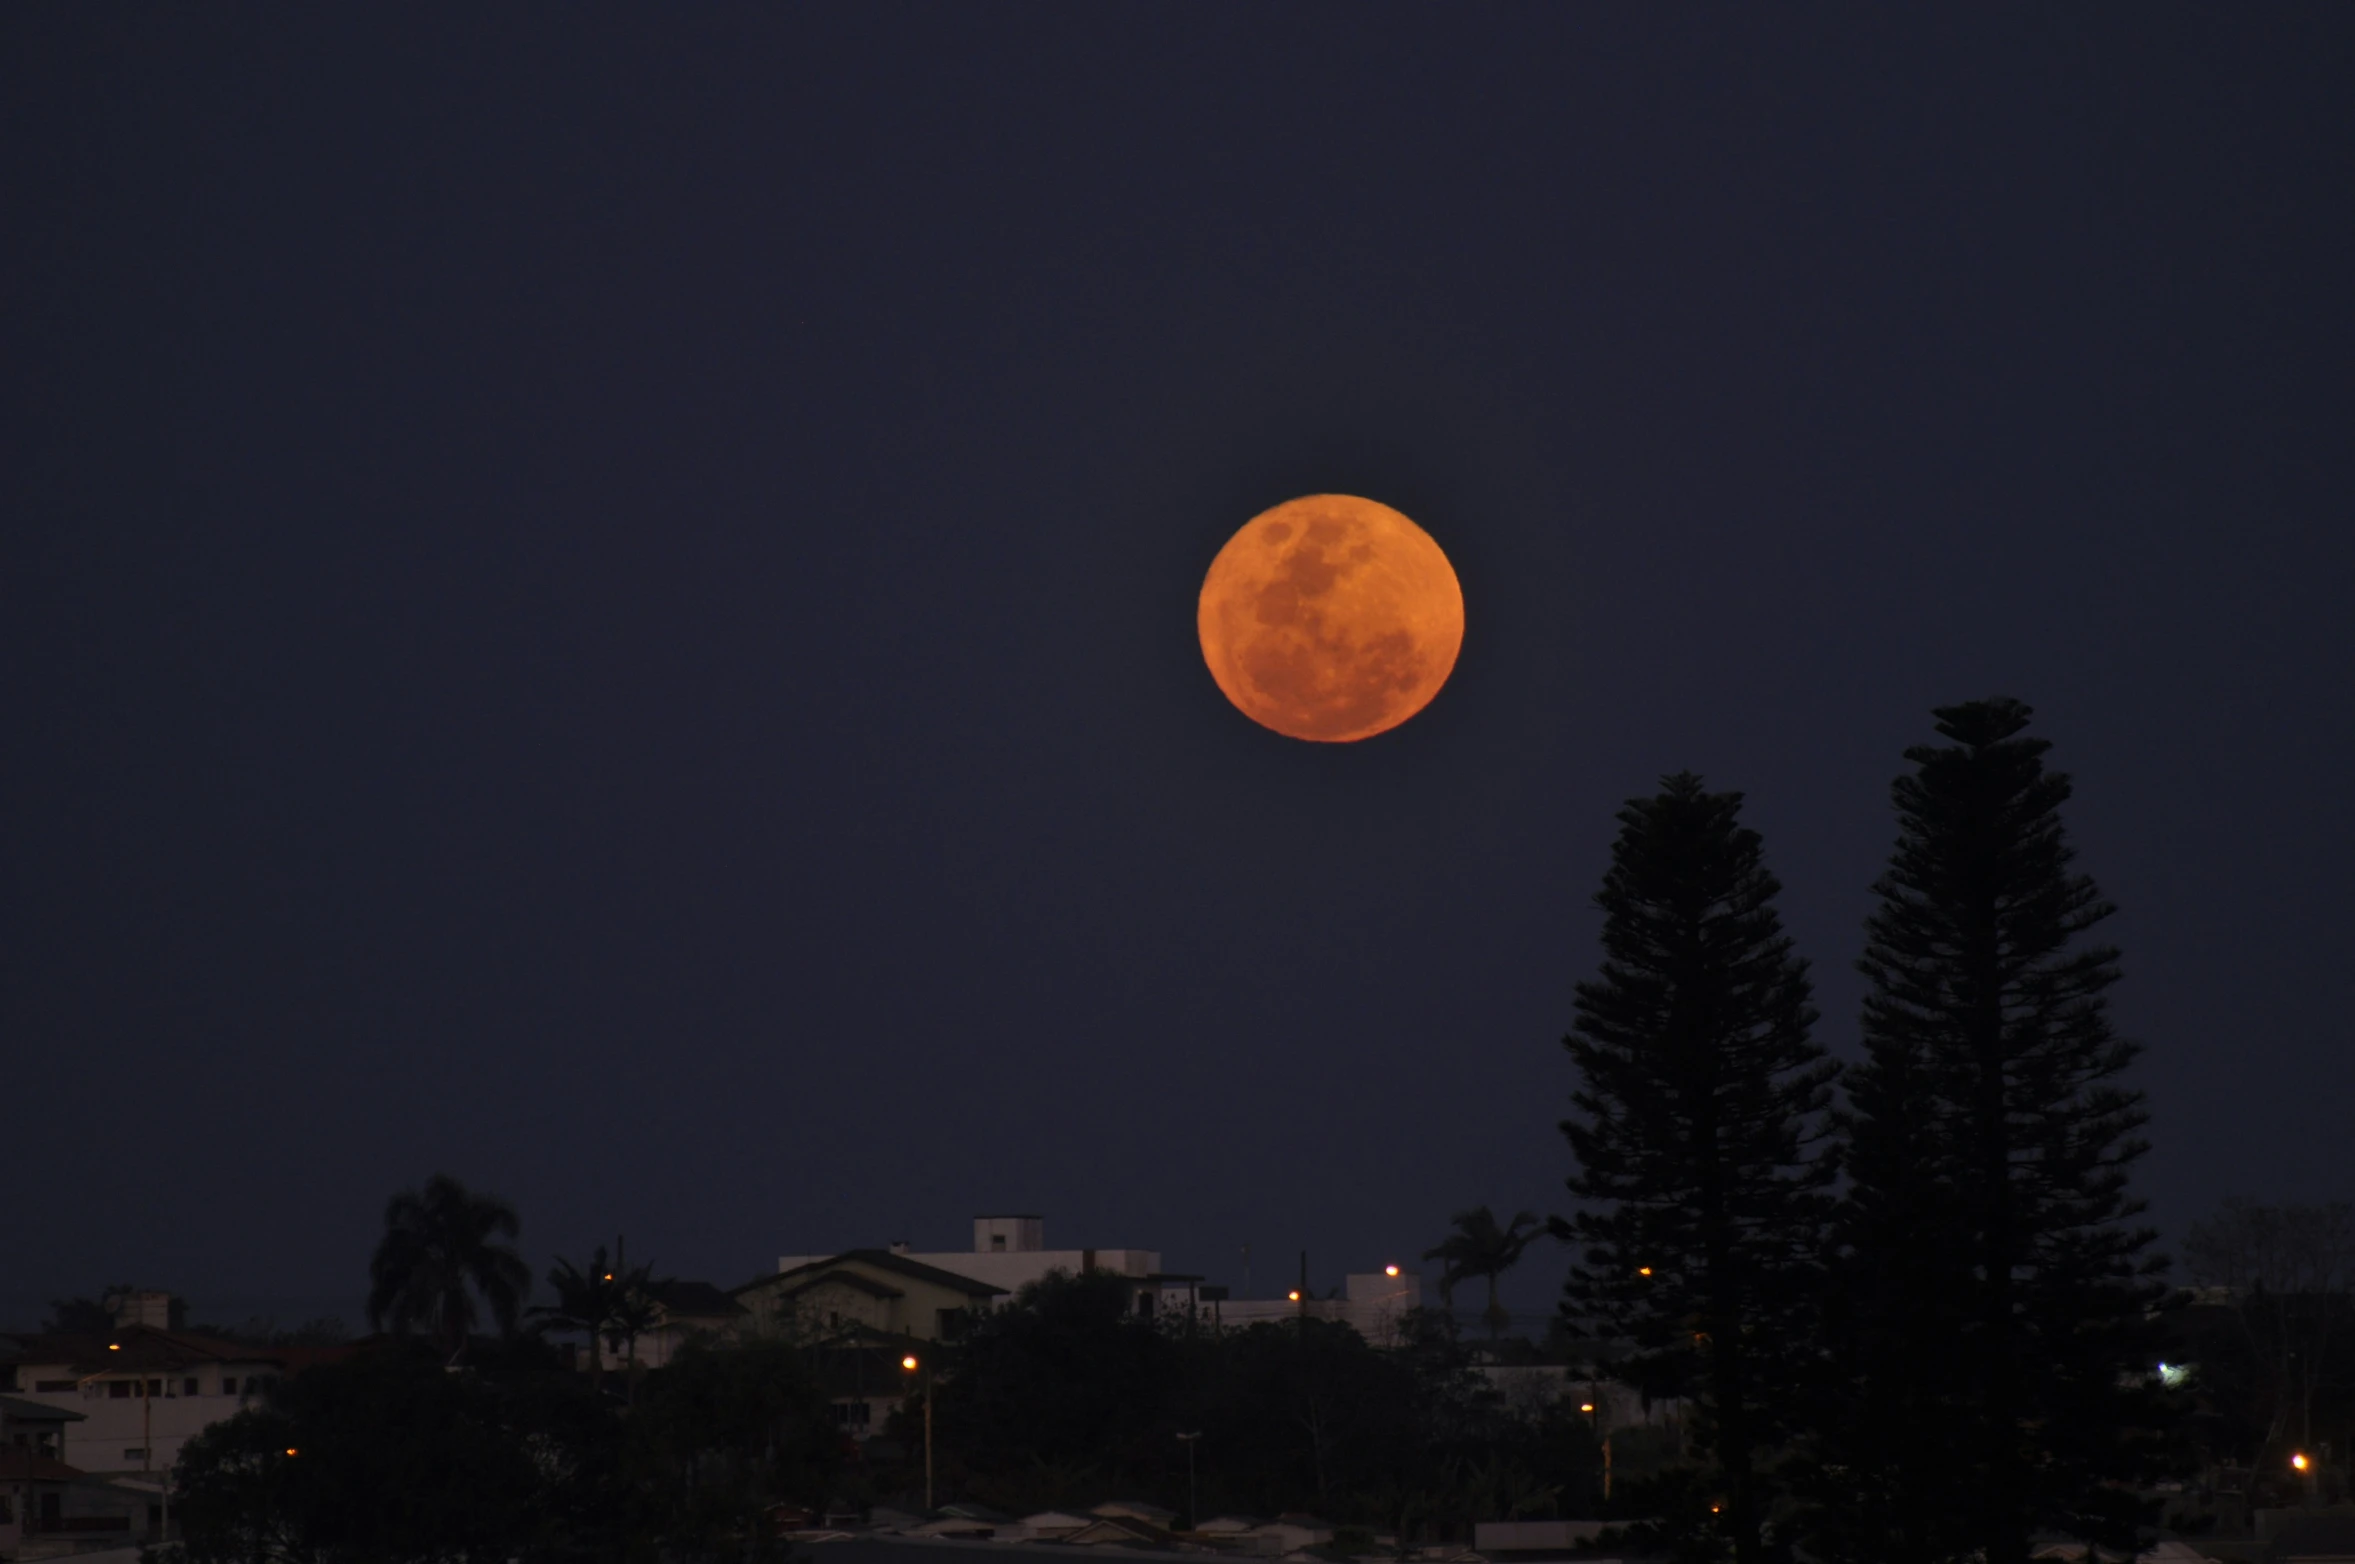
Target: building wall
{"points": [[115, 1428], [825, 1304]]}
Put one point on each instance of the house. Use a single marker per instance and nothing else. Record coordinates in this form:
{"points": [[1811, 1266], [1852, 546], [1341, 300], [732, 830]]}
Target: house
{"points": [[684, 1311], [1136, 1510], [1373, 1303], [48, 1508], [33, 1490], [38, 1426], [140, 1392], [1010, 1253], [873, 1290]]}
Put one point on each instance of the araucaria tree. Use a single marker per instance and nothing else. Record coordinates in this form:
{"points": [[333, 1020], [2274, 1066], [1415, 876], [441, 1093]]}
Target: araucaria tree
{"points": [[1702, 1104], [1991, 1323]]}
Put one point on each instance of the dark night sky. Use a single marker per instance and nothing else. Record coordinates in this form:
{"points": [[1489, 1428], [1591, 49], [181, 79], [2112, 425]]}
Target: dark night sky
{"points": [[603, 599]]}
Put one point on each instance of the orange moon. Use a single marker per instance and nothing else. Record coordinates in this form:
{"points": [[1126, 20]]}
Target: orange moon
{"points": [[1331, 618]]}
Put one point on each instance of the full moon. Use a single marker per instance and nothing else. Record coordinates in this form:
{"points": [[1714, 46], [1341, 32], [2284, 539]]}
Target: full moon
{"points": [[1331, 618]]}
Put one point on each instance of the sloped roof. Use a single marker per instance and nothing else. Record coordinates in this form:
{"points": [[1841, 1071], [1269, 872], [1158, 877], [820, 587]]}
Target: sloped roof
{"points": [[881, 1260], [1119, 1530], [136, 1347], [695, 1301], [18, 1410], [859, 1281], [18, 1464]]}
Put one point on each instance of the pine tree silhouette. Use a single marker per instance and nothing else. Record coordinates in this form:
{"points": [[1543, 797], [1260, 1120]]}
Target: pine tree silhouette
{"points": [[1703, 1105], [1990, 1323]]}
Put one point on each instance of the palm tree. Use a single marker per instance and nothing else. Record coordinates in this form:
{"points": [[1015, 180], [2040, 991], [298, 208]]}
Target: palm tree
{"points": [[1478, 1247], [638, 1310], [587, 1301], [437, 1253]]}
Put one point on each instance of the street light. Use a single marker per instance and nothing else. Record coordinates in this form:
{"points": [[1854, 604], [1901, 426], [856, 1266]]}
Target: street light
{"points": [[1390, 1270], [1193, 1502], [910, 1364]]}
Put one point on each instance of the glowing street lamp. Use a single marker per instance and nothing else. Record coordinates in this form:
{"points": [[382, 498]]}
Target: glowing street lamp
{"points": [[1390, 1270], [2299, 1460]]}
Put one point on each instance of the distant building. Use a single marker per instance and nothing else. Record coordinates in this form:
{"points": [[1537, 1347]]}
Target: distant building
{"points": [[864, 1289], [1374, 1303], [684, 1311], [1010, 1252]]}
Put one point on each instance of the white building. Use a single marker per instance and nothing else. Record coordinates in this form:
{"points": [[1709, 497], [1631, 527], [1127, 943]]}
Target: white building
{"points": [[141, 1392], [1375, 1303], [1011, 1252]]}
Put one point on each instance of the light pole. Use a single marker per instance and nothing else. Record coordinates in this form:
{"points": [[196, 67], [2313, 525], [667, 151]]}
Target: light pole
{"points": [[910, 1364], [1193, 1500], [146, 1443]]}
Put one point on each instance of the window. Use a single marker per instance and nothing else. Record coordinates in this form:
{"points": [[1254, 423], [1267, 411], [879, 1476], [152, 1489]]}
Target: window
{"points": [[997, 1241], [155, 1387], [51, 1387], [136, 1453], [228, 1384], [119, 1389], [188, 1386]]}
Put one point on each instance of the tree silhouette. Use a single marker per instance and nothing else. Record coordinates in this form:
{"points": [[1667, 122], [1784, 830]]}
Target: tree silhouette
{"points": [[1478, 1247], [1699, 1145], [438, 1252], [1994, 1293]]}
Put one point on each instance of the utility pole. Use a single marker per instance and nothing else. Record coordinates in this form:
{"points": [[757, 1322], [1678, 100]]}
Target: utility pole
{"points": [[911, 1364]]}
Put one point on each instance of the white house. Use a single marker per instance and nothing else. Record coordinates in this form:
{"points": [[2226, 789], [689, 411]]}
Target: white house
{"points": [[1374, 1303], [141, 1392]]}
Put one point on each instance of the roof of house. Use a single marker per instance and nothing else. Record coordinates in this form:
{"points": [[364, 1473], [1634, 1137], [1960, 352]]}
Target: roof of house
{"points": [[18, 1464], [1120, 1530], [136, 1347], [881, 1260], [796, 1282], [1056, 1520], [1135, 1509], [695, 1301], [16, 1409]]}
